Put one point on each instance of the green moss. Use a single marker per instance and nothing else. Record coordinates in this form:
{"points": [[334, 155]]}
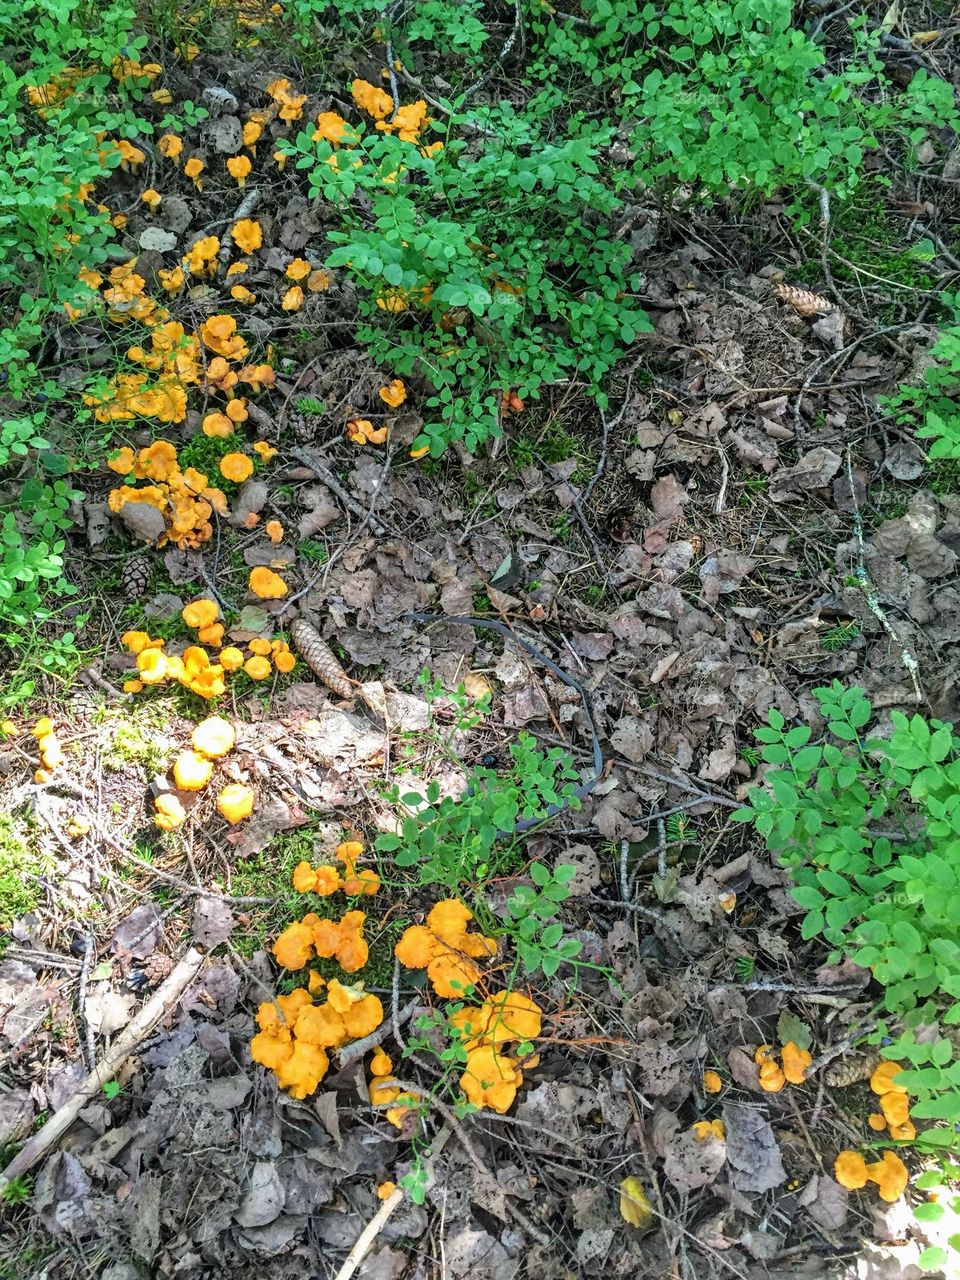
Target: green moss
{"points": [[135, 735], [21, 865]]}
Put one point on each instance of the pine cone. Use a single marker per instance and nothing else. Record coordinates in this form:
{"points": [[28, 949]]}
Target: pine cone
{"points": [[157, 967], [851, 1070], [804, 301], [316, 653], [137, 572]]}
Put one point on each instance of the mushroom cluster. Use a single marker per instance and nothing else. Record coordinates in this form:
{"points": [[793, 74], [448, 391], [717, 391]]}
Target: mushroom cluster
{"points": [[295, 1033], [384, 1091], [791, 1069], [185, 499], [894, 1114], [889, 1173], [340, 940], [193, 668], [445, 949], [491, 1078], [48, 744], [704, 1129], [327, 880], [211, 740]]}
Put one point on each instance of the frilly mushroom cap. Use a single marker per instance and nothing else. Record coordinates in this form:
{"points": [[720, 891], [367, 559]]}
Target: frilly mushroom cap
{"points": [[512, 1016], [271, 1051], [321, 1025], [231, 658], [213, 737], [303, 1070], [326, 938], [352, 953], [448, 921], [850, 1170], [381, 1064], [294, 947], [327, 881], [192, 771], [796, 1062], [152, 665], [884, 1078], [451, 974], [772, 1078], [416, 948], [895, 1107], [236, 467], [170, 813], [891, 1176], [341, 997], [200, 613], [235, 804], [490, 1080], [304, 878], [267, 585], [363, 1017], [257, 668]]}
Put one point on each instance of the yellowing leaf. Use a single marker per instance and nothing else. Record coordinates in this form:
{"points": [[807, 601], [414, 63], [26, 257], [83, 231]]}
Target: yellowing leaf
{"points": [[635, 1208]]}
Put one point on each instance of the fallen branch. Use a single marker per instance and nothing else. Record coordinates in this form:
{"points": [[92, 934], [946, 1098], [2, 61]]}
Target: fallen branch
{"points": [[129, 1039], [326, 477]]}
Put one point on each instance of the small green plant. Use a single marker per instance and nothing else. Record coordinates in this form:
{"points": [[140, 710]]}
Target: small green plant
{"points": [[18, 1190], [454, 842], [745, 967], [932, 409], [530, 920], [838, 637], [868, 827]]}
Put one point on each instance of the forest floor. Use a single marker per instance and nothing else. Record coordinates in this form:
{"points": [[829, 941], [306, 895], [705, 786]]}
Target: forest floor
{"points": [[691, 558]]}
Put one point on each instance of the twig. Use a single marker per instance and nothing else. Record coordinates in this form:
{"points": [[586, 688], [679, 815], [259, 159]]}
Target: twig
{"points": [[376, 1224], [245, 208], [873, 603], [90, 1051], [347, 1056], [501, 56], [129, 1039], [326, 476], [394, 89]]}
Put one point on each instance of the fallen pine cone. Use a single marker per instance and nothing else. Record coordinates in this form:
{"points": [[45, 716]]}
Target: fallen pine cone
{"points": [[851, 1070], [804, 301], [318, 656]]}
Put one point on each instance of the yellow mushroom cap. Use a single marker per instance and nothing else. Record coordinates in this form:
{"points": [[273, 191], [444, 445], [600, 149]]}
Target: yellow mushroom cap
{"points": [[236, 803], [200, 613], [267, 585], [192, 771], [231, 659], [170, 813], [257, 668], [213, 737], [850, 1170]]}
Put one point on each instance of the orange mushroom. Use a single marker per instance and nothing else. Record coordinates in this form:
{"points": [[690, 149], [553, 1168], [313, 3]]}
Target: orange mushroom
{"points": [[267, 585], [236, 467]]}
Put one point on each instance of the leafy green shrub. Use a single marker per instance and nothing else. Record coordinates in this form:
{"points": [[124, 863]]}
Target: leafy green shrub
{"points": [[58, 92], [728, 93], [484, 270], [870, 829], [933, 408]]}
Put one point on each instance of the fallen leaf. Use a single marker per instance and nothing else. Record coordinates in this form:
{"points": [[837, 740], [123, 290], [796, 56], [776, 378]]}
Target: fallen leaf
{"points": [[107, 1011], [213, 921], [755, 1161], [691, 1162]]}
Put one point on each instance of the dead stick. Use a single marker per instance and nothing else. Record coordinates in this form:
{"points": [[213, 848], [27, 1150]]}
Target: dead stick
{"points": [[135, 1032]]}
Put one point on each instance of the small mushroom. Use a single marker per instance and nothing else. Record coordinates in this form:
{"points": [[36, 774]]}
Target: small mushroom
{"points": [[236, 803]]}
